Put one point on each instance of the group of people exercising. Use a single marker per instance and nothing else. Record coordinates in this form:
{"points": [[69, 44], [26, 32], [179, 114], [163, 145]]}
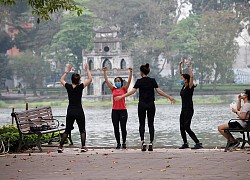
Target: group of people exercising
{"points": [[146, 106]]}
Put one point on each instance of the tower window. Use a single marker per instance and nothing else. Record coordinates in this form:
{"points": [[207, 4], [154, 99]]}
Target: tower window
{"points": [[105, 89], [90, 89], [91, 64], [106, 49], [123, 64], [107, 63]]}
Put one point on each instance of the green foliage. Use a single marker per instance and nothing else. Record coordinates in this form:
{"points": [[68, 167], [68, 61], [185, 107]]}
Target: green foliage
{"points": [[5, 71], [137, 18], [184, 37], [211, 100], [241, 8], [31, 68], [40, 35], [55, 103], [17, 13], [210, 40], [144, 25], [8, 129], [75, 34], [219, 45], [5, 42], [3, 104], [44, 8], [10, 137]]}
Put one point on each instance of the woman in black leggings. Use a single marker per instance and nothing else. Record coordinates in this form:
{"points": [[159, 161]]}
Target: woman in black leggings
{"points": [[146, 105], [187, 109], [119, 111], [75, 110]]}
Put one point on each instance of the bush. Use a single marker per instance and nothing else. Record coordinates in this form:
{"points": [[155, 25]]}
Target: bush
{"points": [[10, 137]]}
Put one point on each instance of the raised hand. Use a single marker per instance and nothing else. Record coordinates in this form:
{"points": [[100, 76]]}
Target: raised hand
{"points": [[69, 67], [104, 68], [188, 62], [182, 61], [130, 69], [86, 67]]}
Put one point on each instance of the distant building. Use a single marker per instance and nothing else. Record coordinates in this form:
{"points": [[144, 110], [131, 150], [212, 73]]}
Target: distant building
{"points": [[242, 76], [241, 66], [107, 51]]}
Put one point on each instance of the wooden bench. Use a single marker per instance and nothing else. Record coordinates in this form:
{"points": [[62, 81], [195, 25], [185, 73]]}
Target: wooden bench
{"points": [[242, 131], [37, 121]]}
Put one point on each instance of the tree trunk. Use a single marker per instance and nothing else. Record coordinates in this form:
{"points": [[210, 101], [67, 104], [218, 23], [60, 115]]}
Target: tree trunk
{"points": [[201, 81], [34, 90], [215, 79]]}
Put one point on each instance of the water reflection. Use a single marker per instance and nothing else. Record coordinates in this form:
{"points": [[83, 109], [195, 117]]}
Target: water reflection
{"points": [[100, 130]]}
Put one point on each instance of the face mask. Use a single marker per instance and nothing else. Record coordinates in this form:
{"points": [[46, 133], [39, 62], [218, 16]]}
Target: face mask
{"points": [[181, 82], [118, 84]]}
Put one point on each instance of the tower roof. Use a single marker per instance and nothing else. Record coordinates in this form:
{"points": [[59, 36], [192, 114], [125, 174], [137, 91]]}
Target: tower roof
{"points": [[107, 29]]}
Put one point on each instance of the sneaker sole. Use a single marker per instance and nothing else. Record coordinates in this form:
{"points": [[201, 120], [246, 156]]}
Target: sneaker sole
{"points": [[150, 148], [234, 146], [144, 148], [183, 148], [197, 148], [124, 146], [59, 151]]}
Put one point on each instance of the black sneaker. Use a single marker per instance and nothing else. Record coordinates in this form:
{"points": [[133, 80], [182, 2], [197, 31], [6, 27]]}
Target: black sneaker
{"points": [[118, 146], [234, 145], [143, 147], [150, 147], [124, 146], [84, 149], [197, 146], [60, 149], [184, 146]]}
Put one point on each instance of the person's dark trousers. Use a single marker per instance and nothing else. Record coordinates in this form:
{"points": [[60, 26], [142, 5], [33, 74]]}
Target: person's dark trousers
{"points": [[120, 117], [149, 110], [185, 123], [75, 114]]}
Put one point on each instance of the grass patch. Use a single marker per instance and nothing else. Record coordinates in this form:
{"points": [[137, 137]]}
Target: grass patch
{"points": [[37, 104], [197, 99], [219, 87], [200, 99], [3, 104]]}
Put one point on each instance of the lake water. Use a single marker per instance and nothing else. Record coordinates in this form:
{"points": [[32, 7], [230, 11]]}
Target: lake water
{"points": [[100, 129]]}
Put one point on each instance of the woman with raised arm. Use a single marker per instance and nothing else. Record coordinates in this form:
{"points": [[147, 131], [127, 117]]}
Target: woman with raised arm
{"points": [[146, 105], [75, 110], [187, 109], [119, 113]]}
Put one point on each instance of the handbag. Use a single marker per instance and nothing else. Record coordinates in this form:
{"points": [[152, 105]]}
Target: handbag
{"points": [[39, 128]]}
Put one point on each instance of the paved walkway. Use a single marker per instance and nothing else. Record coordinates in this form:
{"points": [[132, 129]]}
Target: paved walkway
{"points": [[162, 163]]}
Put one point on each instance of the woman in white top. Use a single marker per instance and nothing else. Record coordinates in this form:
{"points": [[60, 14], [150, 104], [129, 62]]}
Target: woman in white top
{"points": [[242, 112]]}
